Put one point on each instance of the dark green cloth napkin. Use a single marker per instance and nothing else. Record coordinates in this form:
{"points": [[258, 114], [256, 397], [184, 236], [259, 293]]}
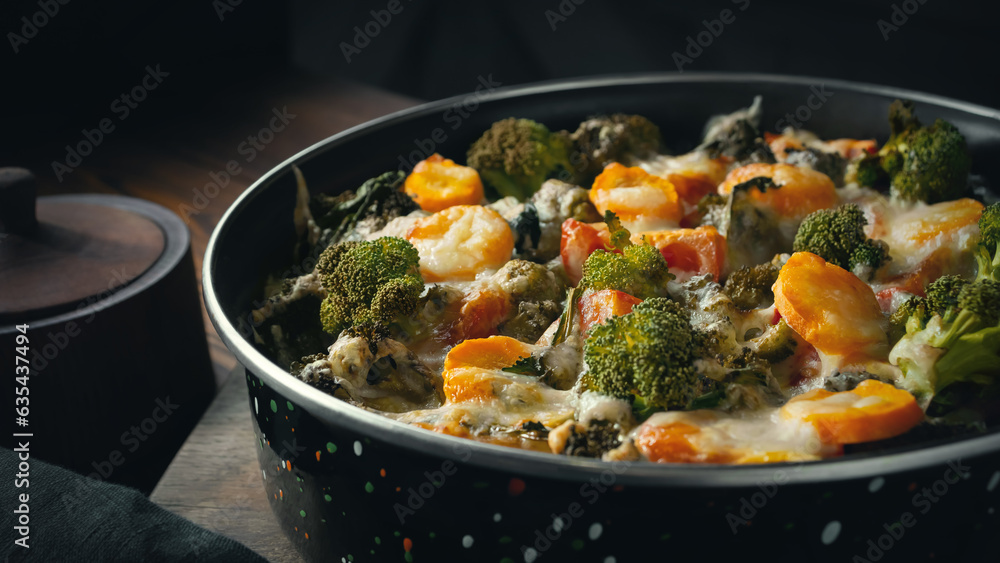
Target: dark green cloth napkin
{"points": [[75, 518]]}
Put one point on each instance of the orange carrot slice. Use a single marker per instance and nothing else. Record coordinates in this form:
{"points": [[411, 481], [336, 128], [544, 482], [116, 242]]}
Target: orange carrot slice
{"points": [[437, 183], [470, 367], [831, 308], [872, 411], [801, 190], [632, 194], [670, 443], [495, 352]]}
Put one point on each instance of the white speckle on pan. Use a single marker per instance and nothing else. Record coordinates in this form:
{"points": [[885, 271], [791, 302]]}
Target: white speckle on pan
{"points": [[610, 559], [875, 484], [557, 524], [256, 408], [264, 473], [830, 532], [467, 541], [530, 555], [595, 531], [357, 448], [497, 517], [994, 481]]}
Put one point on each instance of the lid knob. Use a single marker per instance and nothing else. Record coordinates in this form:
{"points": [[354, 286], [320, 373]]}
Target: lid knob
{"points": [[18, 191]]}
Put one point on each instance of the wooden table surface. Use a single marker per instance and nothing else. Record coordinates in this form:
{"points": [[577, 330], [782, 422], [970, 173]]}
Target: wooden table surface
{"points": [[214, 480]]}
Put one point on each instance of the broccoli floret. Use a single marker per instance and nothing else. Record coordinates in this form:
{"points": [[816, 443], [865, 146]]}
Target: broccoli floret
{"points": [[614, 138], [829, 163], [942, 300], [516, 155], [777, 343], [737, 136], [746, 383], [750, 287], [846, 380], [753, 230], [713, 210], [944, 294], [647, 354], [378, 201], [368, 281], [594, 439], [922, 163], [988, 250], [637, 269], [838, 236], [535, 294], [959, 345], [978, 307]]}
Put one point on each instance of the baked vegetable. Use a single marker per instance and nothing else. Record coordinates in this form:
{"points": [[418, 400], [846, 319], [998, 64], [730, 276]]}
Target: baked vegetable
{"points": [[922, 163], [618, 137], [988, 251], [838, 236], [647, 355], [636, 269], [515, 156], [370, 281], [437, 183]]}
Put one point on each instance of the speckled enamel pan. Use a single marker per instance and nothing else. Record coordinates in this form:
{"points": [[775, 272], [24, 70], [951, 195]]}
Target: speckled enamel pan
{"points": [[351, 485]]}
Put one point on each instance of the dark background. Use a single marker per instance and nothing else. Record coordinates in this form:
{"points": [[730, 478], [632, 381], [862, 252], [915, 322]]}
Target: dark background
{"points": [[64, 78]]}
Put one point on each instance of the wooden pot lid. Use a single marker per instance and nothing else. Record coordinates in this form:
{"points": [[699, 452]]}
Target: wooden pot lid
{"points": [[58, 256]]}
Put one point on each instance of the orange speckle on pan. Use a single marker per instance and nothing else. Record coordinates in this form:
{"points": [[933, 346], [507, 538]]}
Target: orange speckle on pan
{"points": [[286, 417], [381, 472], [288, 464], [407, 544], [275, 496], [281, 493], [307, 535], [293, 429], [516, 486], [398, 489], [317, 455], [296, 528]]}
